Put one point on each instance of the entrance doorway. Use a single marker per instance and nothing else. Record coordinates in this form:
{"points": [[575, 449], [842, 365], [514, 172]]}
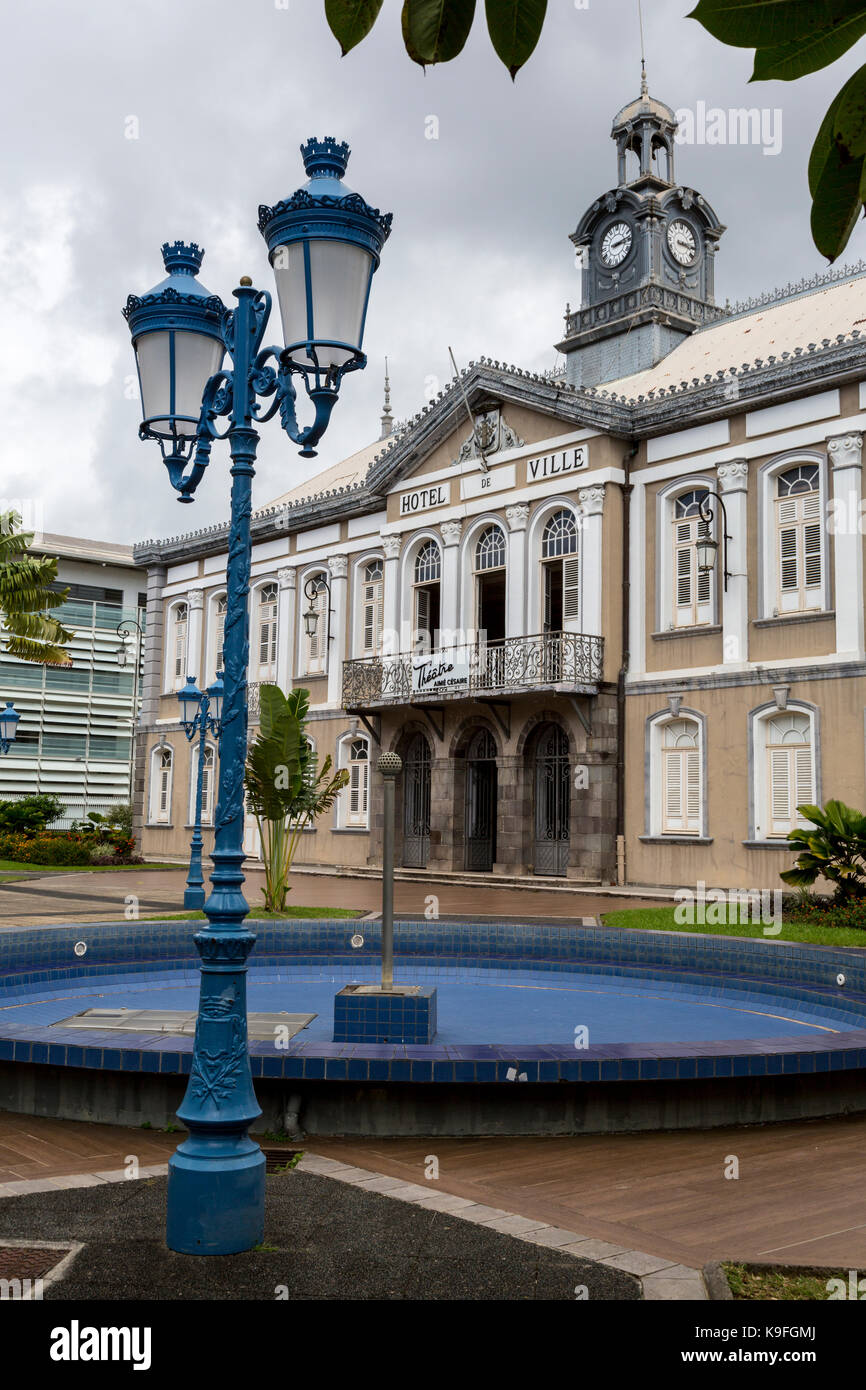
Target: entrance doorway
{"points": [[416, 804], [552, 801], [481, 797]]}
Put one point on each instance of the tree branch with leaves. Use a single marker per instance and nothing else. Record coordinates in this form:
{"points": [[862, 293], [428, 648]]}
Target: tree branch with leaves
{"points": [[28, 629]]}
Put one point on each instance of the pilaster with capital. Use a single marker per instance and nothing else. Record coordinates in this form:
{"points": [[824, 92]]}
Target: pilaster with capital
{"points": [[391, 546], [733, 480], [517, 517], [844, 452], [338, 567], [194, 656], [450, 584], [591, 509], [287, 581]]}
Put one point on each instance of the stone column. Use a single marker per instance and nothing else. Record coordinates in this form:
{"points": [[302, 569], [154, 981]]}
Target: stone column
{"points": [[734, 489], [287, 579], [844, 452], [515, 575], [591, 514], [338, 566], [450, 584], [195, 662], [391, 644]]}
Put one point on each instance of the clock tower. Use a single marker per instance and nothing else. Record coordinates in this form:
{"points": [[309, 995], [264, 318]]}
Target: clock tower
{"points": [[646, 250]]}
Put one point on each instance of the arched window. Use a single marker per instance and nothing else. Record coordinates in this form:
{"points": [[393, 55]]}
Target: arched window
{"points": [[799, 567], [359, 782], [427, 604], [265, 637], [560, 592], [692, 590], [490, 549], [209, 766], [372, 602], [178, 645], [316, 643], [161, 767], [784, 772], [681, 777]]}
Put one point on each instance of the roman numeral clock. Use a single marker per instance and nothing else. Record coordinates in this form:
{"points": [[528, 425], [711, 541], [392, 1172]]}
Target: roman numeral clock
{"points": [[646, 250]]}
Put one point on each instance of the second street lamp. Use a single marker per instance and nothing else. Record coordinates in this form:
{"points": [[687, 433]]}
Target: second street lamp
{"points": [[8, 726], [200, 714], [324, 244]]}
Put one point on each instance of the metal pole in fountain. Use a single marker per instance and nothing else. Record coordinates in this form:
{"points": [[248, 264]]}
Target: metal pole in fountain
{"points": [[390, 765]]}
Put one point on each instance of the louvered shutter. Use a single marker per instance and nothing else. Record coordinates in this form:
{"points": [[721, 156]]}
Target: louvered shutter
{"points": [[673, 790], [780, 791], [812, 540], [422, 614], [570, 592], [803, 783], [373, 610], [692, 768], [354, 789]]}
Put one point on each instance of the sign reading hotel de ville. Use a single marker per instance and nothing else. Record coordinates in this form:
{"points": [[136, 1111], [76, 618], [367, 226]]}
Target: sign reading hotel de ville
{"points": [[552, 465], [440, 671]]}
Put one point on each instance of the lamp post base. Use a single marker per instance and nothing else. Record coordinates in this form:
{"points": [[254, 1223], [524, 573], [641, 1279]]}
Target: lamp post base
{"points": [[216, 1196], [193, 898]]}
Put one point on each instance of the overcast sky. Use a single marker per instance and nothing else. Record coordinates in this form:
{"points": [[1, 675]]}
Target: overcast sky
{"points": [[220, 94]]}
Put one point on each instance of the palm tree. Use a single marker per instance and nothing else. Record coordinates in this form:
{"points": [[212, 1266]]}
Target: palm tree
{"points": [[27, 630]]}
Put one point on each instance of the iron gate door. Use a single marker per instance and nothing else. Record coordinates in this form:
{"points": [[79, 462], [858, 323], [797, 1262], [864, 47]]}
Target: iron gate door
{"points": [[481, 804], [552, 802], [416, 804]]}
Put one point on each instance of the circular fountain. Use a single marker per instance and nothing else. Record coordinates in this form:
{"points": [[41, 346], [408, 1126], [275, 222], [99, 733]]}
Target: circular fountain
{"points": [[540, 1029]]}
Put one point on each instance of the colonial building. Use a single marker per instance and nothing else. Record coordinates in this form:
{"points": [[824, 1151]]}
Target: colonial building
{"points": [[517, 602]]}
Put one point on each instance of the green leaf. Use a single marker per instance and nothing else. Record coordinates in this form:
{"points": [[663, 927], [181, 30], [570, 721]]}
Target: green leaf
{"points": [[849, 122], [823, 146], [786, 61], [836, 205], [351, 20], [407, 41], [515, 28], [770, 23], [437, 29]]}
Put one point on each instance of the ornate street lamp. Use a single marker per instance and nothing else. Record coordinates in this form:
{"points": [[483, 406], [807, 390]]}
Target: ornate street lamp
{"points": [[315, 585], [196, 718], [705, 545], [324, 244], [8, 726]]}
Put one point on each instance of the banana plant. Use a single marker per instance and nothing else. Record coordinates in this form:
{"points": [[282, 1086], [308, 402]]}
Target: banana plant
{"points": [[286, 788], [835, 849], [28, 630]]}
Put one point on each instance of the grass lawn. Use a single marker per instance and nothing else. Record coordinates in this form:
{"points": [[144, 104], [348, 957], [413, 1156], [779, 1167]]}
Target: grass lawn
{"points": [[772, 1285], [10, 868], [259, 914], [662, 919]]}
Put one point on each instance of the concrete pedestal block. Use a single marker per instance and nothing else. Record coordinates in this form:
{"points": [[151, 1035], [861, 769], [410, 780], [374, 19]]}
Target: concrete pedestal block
{"points": [[366, 1014]]}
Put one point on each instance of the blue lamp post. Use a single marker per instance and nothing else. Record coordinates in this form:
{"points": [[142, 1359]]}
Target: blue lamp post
{"points": [[8, 726], [196, 718], [324, 244]]}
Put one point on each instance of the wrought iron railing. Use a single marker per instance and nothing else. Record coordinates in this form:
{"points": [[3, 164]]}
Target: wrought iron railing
{"points": [[545, 660]]}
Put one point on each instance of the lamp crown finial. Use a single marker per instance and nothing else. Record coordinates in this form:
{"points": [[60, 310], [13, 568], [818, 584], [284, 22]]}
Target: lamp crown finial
{"points": [[182, 258], [325, 156]]}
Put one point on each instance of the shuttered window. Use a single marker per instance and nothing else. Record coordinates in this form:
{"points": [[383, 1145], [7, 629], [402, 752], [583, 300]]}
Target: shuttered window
{"points": [[180, 616], [692, 588], [267, 630], [207, 782], [681, 778], [372, 601], [220, 632], [799, 554], [161, 793], [359, 782], [790, 775], [317, 644]]}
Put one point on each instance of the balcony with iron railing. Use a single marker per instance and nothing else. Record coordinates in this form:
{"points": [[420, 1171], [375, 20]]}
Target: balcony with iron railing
{"points": [[568, 662]]}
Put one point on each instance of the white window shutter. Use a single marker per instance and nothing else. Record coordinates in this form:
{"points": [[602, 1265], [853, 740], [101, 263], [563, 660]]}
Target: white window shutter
{"points": [[780, 789], [570, 589], [673, 790], [804, 781], [692, 761]]}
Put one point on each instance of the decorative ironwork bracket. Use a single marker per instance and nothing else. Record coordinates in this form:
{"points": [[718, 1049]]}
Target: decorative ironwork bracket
{"points": [[587, 724], [495, 706], [426, 710]]}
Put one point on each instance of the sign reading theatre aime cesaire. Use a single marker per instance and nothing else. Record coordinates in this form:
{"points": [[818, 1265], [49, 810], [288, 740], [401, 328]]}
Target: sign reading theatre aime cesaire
{"points": [[422, 499]]}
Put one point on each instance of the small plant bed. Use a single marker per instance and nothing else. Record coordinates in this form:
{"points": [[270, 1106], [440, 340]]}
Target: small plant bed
{"points": [[257, 914], [832, 926], [779, 1283]]}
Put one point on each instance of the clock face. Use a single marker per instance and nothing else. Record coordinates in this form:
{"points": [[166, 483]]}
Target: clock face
{"points": [[682, 243], [616, 243]]}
